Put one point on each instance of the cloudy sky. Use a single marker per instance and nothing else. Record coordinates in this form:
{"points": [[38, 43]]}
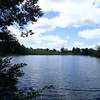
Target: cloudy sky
{"points": [[65, 23]]}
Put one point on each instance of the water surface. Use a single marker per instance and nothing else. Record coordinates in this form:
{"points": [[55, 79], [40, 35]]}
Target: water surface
{"points": [[74, 77]]}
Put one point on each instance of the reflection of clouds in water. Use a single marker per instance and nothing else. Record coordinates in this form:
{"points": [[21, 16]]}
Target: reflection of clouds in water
{"points": [[75, 77]]}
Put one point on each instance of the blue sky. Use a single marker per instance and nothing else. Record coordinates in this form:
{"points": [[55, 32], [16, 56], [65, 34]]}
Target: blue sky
{"points": [[65, 23]]}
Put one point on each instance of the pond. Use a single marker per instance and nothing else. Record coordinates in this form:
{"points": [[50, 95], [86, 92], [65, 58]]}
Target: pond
{"points": [[74, 77]]}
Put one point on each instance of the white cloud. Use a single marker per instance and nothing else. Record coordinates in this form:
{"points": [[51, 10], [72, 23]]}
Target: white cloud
{"points": [[78, 44], [40, 41], [53, 41], [90, 34], [84, 45], [73, 12], [42, 25]]}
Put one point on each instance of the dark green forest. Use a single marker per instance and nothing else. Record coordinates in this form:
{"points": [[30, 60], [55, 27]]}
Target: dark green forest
{"points": [[9, 45]]}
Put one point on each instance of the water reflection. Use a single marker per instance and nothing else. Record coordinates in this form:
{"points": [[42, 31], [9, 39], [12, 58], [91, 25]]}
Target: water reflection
{"points": [[9, 74], [74, 77]]}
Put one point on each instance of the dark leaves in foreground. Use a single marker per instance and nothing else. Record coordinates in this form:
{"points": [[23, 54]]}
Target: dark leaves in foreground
{"points": [[18, 12], [9, 74], [25, 34]]}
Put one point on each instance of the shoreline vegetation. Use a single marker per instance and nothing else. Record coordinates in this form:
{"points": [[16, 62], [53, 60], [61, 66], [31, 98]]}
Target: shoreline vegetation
{"points": [[9, 45], [22, 50]]}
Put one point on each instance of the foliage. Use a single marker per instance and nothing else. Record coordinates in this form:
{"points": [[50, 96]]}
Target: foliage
{"points": [[76, 50], [43, 51], [9, 44], [18, 11], [22, 50], [7, 37], [9, 74], [98, 48], [64, 50]]}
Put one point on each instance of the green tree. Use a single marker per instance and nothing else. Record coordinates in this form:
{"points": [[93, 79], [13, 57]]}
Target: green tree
{"points": [[10, 45], [85, 51], [98, 48], [62, 50], [76, 50], [97, 53], [18, 12], [9, 74], [7, 37], [73, 50]]}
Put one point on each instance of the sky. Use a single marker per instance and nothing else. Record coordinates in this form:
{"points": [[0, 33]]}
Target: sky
{"points": [[65, 23]]}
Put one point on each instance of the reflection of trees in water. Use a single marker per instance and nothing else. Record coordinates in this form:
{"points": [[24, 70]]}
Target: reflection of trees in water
{"points": [[9, 74]]}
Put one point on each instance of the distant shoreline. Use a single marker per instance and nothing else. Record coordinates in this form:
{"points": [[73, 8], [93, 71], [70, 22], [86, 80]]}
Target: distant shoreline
{"points": [[11, 55]]}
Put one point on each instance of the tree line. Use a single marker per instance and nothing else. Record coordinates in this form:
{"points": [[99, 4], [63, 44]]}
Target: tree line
{"points": [[9, 45]]}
